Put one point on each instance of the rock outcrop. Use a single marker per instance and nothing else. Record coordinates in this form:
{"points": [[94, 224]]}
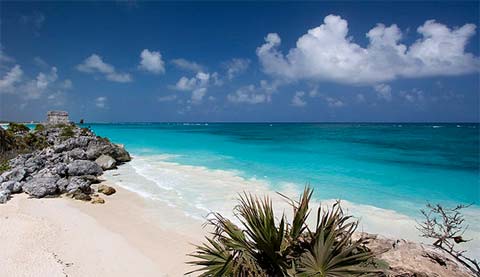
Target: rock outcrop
{"points": [[401, 258], [69, 164]]}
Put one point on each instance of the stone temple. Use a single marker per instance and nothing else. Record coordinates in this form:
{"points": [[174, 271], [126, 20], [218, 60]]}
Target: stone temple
{"points": [[57, 117]]}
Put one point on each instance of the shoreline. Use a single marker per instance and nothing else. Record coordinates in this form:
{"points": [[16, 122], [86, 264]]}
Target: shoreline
{"points": [[65, 237]]}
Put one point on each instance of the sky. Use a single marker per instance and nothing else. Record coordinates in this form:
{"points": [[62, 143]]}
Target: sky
{"points": [[128, 61]]}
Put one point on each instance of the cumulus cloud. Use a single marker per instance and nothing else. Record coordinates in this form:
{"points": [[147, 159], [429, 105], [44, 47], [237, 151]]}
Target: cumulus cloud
{"points": [[298, 99], [248, 94], [327, 52], [101, 102], [151, 61], [236, 67], [95, 65], [384, 91], [197, 85], [44, 84], [334, 102], [188, 65], [10, 79], [415, 95]]}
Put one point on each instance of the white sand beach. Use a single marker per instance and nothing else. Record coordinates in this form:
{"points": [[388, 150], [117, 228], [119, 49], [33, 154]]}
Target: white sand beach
{"points": [[65, 237]]}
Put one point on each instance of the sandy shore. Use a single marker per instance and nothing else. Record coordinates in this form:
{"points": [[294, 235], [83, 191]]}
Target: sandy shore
{"points": [[65, 237]]}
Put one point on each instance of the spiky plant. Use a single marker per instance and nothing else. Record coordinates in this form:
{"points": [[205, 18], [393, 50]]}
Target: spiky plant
{"points": [[264, 247]]}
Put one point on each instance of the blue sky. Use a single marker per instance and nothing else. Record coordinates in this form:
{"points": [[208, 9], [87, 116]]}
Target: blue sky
{"points": [[233, 61]]}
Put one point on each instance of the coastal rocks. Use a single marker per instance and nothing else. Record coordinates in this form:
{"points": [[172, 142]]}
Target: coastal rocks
{"points": [[11, 186], [84, 167], [107, 190], [106, 162], [78, 195], [4, 195], [98, 200], [69, 163], [16, 174], [409, 259], [41, 186]]}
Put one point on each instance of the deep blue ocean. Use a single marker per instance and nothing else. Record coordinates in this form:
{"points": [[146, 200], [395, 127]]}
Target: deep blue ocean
{"points": [[397, 166]]}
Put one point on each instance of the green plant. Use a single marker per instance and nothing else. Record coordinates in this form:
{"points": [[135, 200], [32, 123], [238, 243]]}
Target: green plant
{"points": [[67, 131], [264, 247], [34, 141], [17, 128], [39, 128], [4, 166]]}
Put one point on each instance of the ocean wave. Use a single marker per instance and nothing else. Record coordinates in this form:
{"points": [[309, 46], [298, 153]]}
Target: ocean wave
{"points": [[197, 191]]}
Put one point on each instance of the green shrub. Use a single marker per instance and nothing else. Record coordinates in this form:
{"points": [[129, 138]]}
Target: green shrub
{"points": [[35, 142], [16, 128], [67, 131], [266, 247], [39, 128], [4, 166]]}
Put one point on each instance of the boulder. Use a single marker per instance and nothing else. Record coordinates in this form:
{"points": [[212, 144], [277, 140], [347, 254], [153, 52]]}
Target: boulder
{"points": [[77, 154], [77, 184], [16, 174], [106, 162], [12, 186], [41, 186], [98, 200], [107, 190], [120, 154], [4, 195], [84, 167], [78, 195]]}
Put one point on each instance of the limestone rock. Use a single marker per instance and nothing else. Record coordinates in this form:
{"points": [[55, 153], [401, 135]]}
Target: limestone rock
{"points": [[106, 162], [107, 190], [98, 200], [4, 195], [41, 186], [84, 167], [16, 174]]}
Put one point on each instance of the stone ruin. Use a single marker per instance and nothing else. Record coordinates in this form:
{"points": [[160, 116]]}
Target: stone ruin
{"points": [[57, 117]]}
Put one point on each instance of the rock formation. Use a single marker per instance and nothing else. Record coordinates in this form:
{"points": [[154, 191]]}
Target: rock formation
{"points": [[69, 164]]}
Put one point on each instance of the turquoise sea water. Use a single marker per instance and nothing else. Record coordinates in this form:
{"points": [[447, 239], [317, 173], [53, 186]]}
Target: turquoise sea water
{"points": [[398, 167]]}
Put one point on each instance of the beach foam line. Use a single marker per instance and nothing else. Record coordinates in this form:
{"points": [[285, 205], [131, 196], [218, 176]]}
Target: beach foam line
{"points": [[197, 191]]}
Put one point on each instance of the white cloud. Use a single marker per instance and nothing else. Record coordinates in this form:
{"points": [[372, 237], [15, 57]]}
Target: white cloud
{"points": [[10, 79], [236, 66], [188, 65], [152, 61], [252, 94], [360, 98], [334, 102], [298, 99], [197, 85], [415, 95], [95, 64], [248, 94], [328, 53], [198, 94], [384, 91], [45, 83], [101, 102], [167, 98]]}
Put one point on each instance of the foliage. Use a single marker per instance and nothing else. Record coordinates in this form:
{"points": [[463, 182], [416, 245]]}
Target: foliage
{"points": [[446, 226], [16, 128], [4, 166], [67, 131], [35, 142], [265, 247], [39, 128]]}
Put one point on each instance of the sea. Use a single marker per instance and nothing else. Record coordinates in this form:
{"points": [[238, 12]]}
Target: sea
{"points": [[382, 171]]}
